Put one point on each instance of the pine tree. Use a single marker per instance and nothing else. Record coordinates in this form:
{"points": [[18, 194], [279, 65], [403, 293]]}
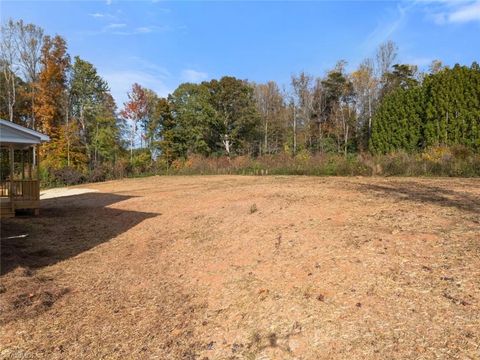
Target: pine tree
{"points": [[453, 107], [398, 122]]}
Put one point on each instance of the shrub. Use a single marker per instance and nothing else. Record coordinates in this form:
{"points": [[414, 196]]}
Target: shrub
{"points": [[121, 168], [461, 152], [98, 174], [68, 176], [435, 161], [141, 163]]}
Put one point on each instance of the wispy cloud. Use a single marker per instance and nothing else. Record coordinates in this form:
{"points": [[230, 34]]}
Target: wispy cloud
{"points": [[386, 28], [121, 81], [142, 30], [466, 14], [135, 69], [149, 66], [454, 12], [190, 75], [104, 16], [123, 29], [116, 26]]}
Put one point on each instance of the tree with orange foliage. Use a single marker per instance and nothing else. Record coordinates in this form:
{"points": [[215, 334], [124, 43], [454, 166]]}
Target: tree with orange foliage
{"points": [[135, 110], [50, 108]]}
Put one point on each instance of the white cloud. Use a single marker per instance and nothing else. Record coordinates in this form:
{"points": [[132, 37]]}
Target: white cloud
{"points": [[466, 13], [124, 30], [108, 2], [454, 12], [190, 75], [104, 16], [141, 30], [116, 26]]}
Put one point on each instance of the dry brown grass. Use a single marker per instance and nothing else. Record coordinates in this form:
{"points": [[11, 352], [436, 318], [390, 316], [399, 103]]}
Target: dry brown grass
{"points": [[182, 268]]}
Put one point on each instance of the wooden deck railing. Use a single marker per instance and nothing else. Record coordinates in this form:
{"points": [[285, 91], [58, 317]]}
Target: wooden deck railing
{"points": [[21, 189]]}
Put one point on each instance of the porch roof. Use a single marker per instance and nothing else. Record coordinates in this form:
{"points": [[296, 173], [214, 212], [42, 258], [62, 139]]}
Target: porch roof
{"points": [[19, 136]]}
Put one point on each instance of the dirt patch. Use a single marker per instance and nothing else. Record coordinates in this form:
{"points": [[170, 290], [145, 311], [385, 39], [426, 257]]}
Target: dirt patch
{"points": [[24, 295], [231, 267]]}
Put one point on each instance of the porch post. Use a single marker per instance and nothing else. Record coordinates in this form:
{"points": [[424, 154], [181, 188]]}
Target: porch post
{"points": [[11, 160], [23, 164], [34, 157], [36, 211], [30, 162], [37, 148]]}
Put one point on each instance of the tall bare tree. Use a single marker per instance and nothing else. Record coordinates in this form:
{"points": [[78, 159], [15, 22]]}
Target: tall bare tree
{"points": [[9, 58], [30, 42], [302, 98], [20, 51], [271, 106], [386, 56], [365, 85]]}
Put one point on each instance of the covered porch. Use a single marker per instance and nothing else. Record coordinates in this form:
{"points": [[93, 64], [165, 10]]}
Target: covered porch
{"points": [[19, 176]]}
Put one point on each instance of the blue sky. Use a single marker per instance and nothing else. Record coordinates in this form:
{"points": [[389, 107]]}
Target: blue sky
{"points": [[161, 44]]}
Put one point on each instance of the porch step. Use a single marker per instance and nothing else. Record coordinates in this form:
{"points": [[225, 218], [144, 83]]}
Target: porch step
{"points": [[6, 208], [6, 212]]}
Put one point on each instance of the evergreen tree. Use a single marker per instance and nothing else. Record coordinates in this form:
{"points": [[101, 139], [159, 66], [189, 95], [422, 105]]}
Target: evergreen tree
{"points": [[453, 107], [397, 123], [170, 143], [443, 110]]}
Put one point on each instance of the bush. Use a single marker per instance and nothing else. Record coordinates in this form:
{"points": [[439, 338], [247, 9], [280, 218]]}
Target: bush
{"points": [[68, 176], [141, 163], [395, 164], [121, 169], [436, 161], [461, 152], [99, 173]]}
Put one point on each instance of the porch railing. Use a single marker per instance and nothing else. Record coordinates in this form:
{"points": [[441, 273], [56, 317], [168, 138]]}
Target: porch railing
{"points": [[20, 189]]}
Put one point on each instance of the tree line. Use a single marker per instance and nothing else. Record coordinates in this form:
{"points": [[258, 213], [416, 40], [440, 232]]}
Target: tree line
{"points": [[381, 107], [43, 89]]}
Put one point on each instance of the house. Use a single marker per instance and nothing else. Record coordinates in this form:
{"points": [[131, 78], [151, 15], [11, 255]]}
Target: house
{"points": [[19, 181]]}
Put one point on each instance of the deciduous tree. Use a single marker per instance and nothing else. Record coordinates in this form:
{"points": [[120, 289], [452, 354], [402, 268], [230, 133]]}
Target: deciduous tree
{"points": [[50, 109], [135, 110]]}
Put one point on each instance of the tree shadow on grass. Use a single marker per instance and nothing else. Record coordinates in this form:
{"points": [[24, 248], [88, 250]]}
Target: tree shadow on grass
{"points": [[66, 227], [427, 194]]}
